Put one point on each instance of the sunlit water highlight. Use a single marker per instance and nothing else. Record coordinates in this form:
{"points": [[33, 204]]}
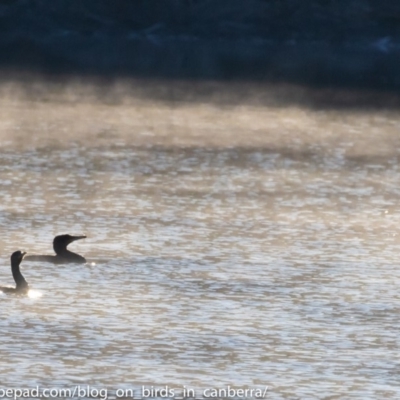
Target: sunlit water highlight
{"points": [[262, 251], [34, 294]]}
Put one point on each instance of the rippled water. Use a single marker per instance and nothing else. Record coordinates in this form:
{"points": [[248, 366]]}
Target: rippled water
{"points": [[244, 246]]}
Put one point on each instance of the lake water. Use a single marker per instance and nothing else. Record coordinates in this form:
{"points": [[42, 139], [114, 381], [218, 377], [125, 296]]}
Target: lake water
{"points": [[242, 246]]}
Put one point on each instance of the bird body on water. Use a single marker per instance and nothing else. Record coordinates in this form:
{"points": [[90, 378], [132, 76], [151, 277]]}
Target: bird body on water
{"points": [[63, 255]]}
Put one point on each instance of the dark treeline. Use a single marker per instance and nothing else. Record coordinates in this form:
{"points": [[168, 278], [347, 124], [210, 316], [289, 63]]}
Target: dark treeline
{"points": [[333, 20], [318, 42]]}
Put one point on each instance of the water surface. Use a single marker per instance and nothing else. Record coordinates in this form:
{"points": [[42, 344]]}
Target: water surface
{"points": [[246, 246]]}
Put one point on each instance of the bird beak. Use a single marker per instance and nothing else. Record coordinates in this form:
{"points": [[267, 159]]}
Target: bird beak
{"points": [[78, 237], [23, 254]]}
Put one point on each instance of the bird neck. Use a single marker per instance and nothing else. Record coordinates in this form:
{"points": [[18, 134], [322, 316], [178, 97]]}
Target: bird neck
{"points": [[63, 252], [69, 255], [18, 277]]}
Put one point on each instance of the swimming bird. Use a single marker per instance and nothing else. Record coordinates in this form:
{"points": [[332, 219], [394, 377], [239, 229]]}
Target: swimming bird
{"points": [[22, 286], [63, 255]]}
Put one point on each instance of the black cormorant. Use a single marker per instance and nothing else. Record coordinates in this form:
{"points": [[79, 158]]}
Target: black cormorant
{"points": [[63, 255], [22, 285]]}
